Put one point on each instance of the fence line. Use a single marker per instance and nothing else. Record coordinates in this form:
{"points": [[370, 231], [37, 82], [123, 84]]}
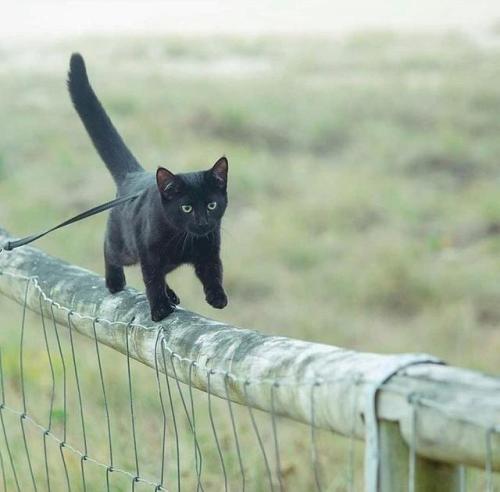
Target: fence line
{"points": [[321, 385]]}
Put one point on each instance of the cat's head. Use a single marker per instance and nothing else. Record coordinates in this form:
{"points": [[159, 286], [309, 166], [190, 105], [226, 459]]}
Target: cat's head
{"points": [[194, 202]]}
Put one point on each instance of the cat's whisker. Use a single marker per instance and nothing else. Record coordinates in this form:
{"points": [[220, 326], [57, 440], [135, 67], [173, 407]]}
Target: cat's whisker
{"points": [[175, 237], [183, 243], [187, 242]]}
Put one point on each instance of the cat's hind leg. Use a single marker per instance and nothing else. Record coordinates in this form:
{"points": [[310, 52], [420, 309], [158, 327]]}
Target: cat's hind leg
{"points": [[115, 276]]}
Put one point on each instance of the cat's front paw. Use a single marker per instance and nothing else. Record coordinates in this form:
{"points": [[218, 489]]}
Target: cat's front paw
{"points": [[161, 311], [217, 299]]}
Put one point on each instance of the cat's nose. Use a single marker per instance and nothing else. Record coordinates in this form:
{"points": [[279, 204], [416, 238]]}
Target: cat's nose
{"points": [[200, 225], [202, 229]]}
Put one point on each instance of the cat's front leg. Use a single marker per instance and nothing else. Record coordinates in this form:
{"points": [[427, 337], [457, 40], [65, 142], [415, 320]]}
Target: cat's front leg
{"points": [[159, 302], [172, 295], [209, 271]]}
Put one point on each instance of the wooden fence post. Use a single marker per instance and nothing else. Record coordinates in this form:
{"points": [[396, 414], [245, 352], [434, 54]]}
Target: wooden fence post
{"points": [[430, 476]]}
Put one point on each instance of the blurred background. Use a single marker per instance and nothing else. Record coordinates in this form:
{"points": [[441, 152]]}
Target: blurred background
{"points": [[363, 141]]}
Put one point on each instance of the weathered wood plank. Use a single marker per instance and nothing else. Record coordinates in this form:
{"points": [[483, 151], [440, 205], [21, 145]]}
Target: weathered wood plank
{"points": [[455, 406], [395, 476]]}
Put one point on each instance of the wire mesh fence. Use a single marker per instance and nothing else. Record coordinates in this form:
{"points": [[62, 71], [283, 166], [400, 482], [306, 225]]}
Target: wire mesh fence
{"points": [[76, 414]]}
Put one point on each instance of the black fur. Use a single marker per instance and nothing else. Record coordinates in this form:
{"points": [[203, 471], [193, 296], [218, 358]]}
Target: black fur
{"points": [[157, 229]]}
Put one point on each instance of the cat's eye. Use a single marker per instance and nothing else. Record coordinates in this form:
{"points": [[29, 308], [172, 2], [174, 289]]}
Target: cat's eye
{"points": [[212, 205], [187, 208]]}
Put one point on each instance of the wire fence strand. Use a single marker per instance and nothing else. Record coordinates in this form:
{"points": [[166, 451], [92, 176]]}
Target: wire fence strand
{"points": [[313, 443], [214, 431], [174, 420], [23, 390], [52, 394], [235, 434], [4, 430]]}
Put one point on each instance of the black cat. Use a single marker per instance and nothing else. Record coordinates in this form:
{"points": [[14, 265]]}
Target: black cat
{"points": [[175, 220]]}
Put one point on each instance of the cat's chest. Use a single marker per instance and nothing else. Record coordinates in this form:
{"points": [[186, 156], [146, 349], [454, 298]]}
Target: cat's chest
{"points": [[181, 251], [185, 249]]}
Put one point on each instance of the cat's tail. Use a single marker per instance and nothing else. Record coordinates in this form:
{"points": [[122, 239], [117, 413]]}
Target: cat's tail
{"points": [[110, 146]]}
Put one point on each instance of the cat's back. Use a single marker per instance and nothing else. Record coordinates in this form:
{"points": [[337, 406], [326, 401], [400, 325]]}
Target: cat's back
{"points": [[128, 223], [136, 182], [132, 215]]}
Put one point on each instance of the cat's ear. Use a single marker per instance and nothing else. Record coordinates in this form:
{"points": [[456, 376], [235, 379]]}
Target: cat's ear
{"points": [[219, 172], [165, 181]]}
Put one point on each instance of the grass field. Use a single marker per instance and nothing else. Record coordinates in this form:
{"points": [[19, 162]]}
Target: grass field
{"points": [[364, 183]]}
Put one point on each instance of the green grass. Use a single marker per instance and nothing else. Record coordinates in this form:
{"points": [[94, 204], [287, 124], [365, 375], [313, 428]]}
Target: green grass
{"points": [[364, 188]]}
